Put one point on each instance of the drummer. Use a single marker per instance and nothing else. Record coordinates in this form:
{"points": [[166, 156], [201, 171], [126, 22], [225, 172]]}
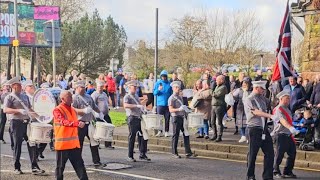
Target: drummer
{"points": [[83, 104], [100, 98], [18, 106], [134, 110], [177, 110]]}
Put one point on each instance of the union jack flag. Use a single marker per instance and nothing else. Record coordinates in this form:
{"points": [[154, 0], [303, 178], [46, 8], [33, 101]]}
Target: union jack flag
{"points": [[283, 66]]}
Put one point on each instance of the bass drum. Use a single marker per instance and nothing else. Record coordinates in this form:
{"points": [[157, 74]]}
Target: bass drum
{"points": [[44, 102]]}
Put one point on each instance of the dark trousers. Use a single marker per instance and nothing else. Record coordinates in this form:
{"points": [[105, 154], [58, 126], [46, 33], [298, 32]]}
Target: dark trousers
{"points": [[164, 110], [217, 114], [19, 133], [284, 144], [51, 139], [177, 126], [83, 132], [234, 112], [2, 124], [150, 99], [134, 124], [11, 137], [74, 155], [112, 99], [40, 148], [255, 143]]}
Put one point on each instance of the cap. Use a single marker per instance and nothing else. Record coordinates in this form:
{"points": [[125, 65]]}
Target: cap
{"points": [[176, 83], [100, 82], [45, 85], [132, 83], [283, 93], [79, 84], [5, 83], [27, 83], [15, 80], [261, 84]]}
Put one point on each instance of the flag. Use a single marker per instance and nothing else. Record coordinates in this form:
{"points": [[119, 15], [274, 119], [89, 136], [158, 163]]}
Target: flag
{"points": [[283, 67]]}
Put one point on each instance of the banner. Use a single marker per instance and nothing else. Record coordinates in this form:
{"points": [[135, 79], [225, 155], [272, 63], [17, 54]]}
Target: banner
{"points": [[30, 23]]}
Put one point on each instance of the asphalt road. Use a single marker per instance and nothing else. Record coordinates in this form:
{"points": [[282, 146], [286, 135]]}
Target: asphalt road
{"points": [[162, 166]]}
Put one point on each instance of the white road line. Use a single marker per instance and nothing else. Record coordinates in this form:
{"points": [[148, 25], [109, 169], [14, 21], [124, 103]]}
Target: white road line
{"points": [[11, 171], [5, 155], [125, 174]]}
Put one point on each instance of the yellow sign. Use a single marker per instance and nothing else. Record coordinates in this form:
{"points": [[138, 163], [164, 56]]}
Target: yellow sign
{"points": [[15, 43]]}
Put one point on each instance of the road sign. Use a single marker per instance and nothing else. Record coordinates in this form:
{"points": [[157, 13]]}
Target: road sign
{"points": [[48, 34], [15, 43]]}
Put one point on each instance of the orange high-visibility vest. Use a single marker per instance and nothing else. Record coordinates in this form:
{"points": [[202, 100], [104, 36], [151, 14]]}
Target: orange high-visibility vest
{"points": [[66, 137]]}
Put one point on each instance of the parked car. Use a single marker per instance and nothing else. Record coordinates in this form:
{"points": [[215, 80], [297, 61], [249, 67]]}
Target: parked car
{"points": [[230, 68]]}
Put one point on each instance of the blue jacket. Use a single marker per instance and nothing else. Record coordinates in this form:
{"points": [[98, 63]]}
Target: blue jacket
{"points": [[165, 93], [297, 97]]}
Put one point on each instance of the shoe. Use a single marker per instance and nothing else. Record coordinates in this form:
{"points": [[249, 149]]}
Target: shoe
{"points": [[117, 107], [37, 171], [41, 156], [219, 139], [277, 175], [213, 138], [188, 155], [110, 147], [206, 137], [236, 132], [200, 136], [130, 159], [251, 178], [3, 141], [144, 157], [18, 171], [291, 175], [166, 134], [99, 164], [243, 139], [159, 134], [176, 156], [52, 149]]}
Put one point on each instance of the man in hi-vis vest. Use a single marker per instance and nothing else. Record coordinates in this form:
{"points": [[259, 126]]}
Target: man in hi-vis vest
{"points": [[66, 137]]}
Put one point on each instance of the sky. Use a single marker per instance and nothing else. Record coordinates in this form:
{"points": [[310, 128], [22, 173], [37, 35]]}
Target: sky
{"points": [[138, 16]]}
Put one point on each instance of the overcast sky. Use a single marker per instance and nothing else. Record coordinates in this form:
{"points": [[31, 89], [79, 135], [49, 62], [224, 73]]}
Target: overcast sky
{"points": [[138, 16]]}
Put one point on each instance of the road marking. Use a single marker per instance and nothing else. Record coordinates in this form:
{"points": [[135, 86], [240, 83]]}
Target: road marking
{"points": [[9, 171], [5, 155], [125, 174]]}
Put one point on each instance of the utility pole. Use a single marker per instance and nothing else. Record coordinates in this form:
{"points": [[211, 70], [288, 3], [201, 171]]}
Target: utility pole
{"points": [[156, 58], [16, 43]]}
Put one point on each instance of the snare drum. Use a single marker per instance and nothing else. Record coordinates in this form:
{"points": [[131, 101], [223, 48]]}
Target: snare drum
{"points": [[103, 132], [195, 120], [39, 133], [153, 121]]}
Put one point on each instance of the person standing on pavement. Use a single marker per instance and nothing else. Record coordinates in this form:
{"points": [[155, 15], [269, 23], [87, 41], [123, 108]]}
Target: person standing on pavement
{"points": [[259, 136], [148, 89], [284, 133], [17, 105], [178, 110], [5, 92], [118, 79], [297, 94], [111, 88], [219, 108], [134, 111], [67, 143], [100, 98], [163, 91], [85, 107]]}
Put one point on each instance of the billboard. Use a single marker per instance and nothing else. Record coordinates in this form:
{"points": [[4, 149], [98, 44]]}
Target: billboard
{"points": [[30, 23]]}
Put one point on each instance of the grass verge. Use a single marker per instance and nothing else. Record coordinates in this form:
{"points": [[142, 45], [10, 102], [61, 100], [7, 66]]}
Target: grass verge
{"points": [[118, 118]]}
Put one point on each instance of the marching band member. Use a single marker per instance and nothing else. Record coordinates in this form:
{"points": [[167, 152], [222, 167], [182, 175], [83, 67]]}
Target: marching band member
{"points": [[177, 110], [5, 92], [83, 104], [18, 106], [134, 110], [67, 143], [100, 98]]}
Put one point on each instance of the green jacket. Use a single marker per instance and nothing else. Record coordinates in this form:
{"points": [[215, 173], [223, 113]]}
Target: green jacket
{"points": [[218, 95]]}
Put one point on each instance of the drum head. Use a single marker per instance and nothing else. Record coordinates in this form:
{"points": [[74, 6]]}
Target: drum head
{"points": [[43, 104]]}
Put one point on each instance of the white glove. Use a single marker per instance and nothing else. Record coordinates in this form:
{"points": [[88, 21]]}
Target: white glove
{"points": [[23, 111], [294, 131], [181, 108], [87, 110], [140, 106], [101, 116], [96, 115], [273, 117], [185, 108]]}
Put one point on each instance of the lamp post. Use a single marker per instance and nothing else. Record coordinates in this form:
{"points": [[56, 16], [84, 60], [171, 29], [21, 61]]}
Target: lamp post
{"points": [[18, 70], [54, 63], [261, 59]]}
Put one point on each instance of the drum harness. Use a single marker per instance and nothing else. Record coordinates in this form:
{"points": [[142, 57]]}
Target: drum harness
{"points": [[24, 107]]}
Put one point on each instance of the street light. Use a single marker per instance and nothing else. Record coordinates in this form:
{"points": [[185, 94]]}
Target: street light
{"points": [[53, 52], [261, 59], [16, 44]]}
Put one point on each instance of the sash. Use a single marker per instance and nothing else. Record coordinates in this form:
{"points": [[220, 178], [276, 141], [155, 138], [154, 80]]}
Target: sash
{"points": [[144, 132], [289, 119]]}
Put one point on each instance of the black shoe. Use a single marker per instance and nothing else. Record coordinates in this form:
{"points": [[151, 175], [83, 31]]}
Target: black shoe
{"points": [[236, 132], [188, 155], [130, 159], [41, 156], [200, 136], [99, 164], [251, 178], [176, 156], [3, 141], [52, 149], [291, 175], [37, 171], [277, 175], [110, 147], [144, 157], [206, 137], [18, 171], [219, 139], [213, 138]]}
